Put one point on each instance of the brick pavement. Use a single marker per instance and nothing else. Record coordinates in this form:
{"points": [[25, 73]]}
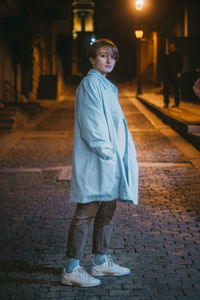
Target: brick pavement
{"points": [[158, 240]]}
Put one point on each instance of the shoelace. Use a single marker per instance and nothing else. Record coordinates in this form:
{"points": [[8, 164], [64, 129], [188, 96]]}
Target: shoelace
{"points": [[110, 261], [84, 273]]}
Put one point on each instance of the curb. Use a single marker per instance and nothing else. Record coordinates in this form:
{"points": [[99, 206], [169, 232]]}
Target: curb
{"points": [[179, 125]]}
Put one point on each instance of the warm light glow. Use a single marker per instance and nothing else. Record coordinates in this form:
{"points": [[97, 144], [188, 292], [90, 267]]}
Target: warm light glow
{"points": [[79, 17], [139, 34], [139, 4]]}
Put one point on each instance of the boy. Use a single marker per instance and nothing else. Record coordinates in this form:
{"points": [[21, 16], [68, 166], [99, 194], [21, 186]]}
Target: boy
{"points": [[104, 168]]}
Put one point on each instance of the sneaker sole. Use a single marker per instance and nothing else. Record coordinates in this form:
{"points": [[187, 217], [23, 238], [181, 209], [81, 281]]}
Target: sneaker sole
{"points": [[65, 282], [100, 274]]}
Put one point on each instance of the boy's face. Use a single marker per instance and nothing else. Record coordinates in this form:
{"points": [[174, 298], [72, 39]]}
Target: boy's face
{"points": [[104, 61]]}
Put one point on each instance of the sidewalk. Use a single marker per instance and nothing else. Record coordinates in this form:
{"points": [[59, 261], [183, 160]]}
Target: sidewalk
{"points": [[185, 119], [159, 240]]}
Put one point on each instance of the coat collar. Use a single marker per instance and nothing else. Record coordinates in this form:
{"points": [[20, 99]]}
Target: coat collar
{"points": [[105, 82]]}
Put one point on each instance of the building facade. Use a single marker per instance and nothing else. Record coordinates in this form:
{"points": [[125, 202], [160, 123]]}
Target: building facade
{"points": [[35, 40], [83, 31], [176, 21]]}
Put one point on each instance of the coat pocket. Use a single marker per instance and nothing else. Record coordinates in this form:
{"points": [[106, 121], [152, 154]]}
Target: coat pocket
{"points": [[101, 176]]}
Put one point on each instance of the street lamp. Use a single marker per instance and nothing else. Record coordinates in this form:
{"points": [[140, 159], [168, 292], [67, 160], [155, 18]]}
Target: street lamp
{"points": [[139, 35], [139, 4]]}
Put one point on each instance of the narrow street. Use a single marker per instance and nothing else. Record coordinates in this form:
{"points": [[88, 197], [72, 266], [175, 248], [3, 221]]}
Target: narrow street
{"points": [[159, 239]]}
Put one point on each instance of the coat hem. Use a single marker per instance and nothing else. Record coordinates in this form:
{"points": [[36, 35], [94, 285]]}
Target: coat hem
{"points": [[124, 199]]}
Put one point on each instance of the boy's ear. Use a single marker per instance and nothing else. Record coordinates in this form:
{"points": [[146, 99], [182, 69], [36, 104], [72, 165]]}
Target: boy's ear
{"points": [[92, 60]]}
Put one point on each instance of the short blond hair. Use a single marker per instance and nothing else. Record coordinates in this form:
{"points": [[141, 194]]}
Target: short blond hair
{"points": [[92, 50]]}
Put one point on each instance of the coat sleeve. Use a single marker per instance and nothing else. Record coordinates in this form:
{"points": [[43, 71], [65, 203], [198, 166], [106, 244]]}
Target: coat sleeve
{"points": [[92, 120]]}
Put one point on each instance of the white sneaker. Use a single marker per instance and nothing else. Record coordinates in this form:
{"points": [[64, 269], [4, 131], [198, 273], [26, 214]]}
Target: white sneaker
{"points": [[79, 277], [109, 267]]}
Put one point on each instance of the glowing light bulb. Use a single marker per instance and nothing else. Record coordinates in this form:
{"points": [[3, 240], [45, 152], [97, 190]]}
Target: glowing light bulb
{"points": [[139, 4], [139, 34]]}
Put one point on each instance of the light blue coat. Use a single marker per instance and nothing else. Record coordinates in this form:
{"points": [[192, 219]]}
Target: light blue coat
{"points": [[98, 171]]}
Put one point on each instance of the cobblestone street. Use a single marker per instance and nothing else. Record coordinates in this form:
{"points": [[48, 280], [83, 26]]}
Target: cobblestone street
{"points": [[159, 239]]}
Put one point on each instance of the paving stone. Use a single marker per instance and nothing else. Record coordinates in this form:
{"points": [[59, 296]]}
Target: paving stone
{"points": [[158, 240]]}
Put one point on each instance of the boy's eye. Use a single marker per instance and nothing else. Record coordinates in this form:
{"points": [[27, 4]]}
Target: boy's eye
{"points": [[105, 55]]}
